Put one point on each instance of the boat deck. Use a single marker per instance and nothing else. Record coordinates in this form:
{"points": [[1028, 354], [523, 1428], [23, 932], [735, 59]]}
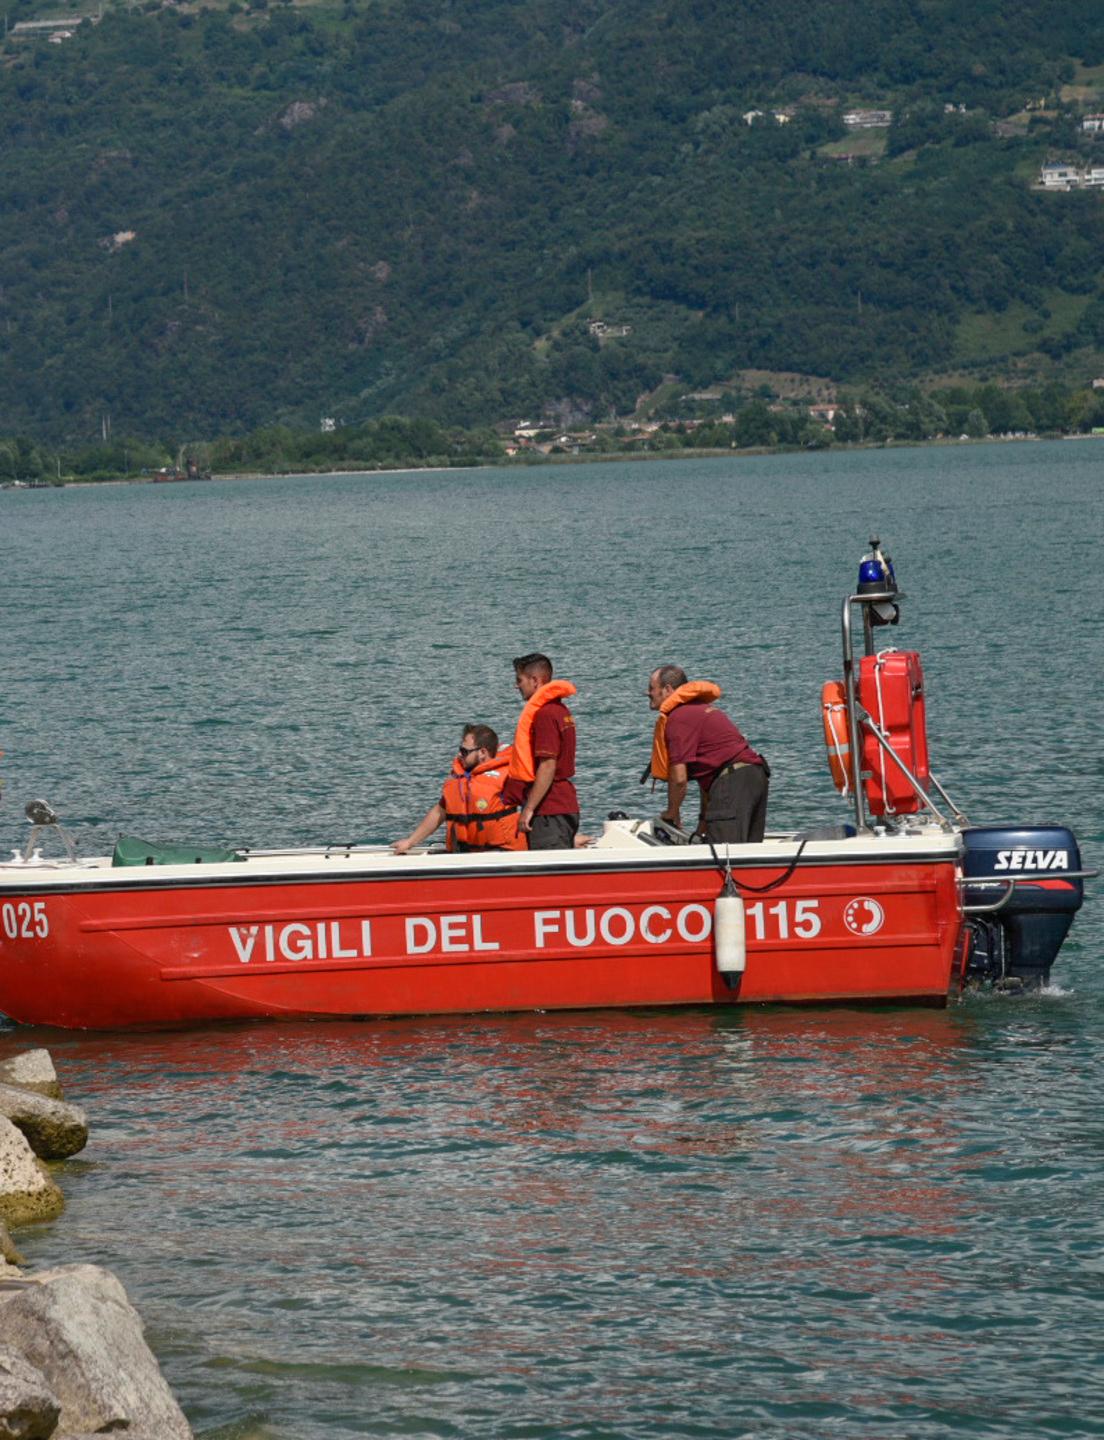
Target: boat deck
{"points": [[622, 846]]}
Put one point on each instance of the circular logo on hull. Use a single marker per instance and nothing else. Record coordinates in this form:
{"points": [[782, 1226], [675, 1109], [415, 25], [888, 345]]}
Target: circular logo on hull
{"points": [[863, 916]]}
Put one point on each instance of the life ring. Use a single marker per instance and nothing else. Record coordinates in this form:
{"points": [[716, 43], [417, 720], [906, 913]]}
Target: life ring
{"points": [[837, 734]]}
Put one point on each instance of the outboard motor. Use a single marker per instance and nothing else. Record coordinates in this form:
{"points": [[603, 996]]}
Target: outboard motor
{"points": [[1021, 916]]}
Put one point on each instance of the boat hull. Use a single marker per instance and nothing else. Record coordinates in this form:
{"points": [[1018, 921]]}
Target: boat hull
{"points": [[111, 951]]}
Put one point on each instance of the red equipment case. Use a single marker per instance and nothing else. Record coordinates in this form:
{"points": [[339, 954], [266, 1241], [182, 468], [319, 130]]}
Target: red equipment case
{"points": [[891, 690]]}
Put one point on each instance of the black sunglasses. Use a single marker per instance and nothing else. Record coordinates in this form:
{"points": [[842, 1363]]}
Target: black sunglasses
{"points": [[468, 749]]}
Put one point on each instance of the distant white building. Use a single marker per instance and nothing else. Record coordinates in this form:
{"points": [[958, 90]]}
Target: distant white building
{"points": [[868, 119], [1060, 177], [43, 27], [114, 243], [1094, 124], [780, 117], [329, 424]]}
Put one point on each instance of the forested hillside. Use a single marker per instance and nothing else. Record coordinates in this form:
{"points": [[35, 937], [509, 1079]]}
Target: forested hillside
{"points": [[215, 219]]}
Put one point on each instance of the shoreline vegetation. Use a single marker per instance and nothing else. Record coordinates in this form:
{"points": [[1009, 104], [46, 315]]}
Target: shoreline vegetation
{"points": [[223, 215], [656, 456], [687, 425]]}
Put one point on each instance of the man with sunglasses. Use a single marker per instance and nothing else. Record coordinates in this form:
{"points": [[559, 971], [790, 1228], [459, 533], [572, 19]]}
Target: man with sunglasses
{"points": [[471, 801]]}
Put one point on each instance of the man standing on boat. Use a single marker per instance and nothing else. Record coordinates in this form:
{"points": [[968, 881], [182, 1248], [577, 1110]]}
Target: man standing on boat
{"points": [[543, 761], [471, 801], [694, 740]]}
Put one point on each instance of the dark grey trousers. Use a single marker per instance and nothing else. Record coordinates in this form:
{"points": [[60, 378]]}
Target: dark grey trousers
{"points": [[736, 807], [553, 832]]}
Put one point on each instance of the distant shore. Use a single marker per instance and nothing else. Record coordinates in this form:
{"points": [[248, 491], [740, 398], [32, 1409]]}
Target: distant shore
{"points": [[538, 460], [685, 453]]}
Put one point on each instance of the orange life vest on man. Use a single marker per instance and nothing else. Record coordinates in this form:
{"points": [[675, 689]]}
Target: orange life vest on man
{"points": [[474, 812], [521, 763], [688, 694]]}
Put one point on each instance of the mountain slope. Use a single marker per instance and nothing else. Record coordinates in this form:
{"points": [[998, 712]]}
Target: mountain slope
{"points": [[217, 220]]}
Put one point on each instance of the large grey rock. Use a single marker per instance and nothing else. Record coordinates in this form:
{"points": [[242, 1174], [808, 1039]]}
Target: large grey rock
{"points": [[32, 1070], [56, 1130], [77, 1327], [28, 1408], [26, 1191]]}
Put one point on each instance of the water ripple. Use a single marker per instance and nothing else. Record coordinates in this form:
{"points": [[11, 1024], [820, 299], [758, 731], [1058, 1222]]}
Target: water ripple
{"points": [[794, 1223]]}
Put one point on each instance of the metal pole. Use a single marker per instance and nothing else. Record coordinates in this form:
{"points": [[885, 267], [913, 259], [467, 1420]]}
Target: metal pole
{"points": [[888, 597], [868, 631], [853, 719]]}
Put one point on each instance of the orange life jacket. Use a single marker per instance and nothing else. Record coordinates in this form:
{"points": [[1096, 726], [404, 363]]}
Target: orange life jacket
{"points": [[693, 690], [521, 765], [474, 812]]}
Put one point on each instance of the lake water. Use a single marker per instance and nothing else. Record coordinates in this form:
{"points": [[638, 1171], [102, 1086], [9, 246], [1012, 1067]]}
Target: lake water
{"points": [[786, 1223]]}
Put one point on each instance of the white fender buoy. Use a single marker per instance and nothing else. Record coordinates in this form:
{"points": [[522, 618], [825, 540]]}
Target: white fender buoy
{"points": [[729, 937]]}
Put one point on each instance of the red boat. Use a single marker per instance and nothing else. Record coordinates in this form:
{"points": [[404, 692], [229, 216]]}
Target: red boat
{"points": [[906, 903]]}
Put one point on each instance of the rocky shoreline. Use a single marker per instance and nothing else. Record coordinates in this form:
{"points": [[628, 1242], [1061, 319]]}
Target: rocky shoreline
{"points": [[73, 1359]]}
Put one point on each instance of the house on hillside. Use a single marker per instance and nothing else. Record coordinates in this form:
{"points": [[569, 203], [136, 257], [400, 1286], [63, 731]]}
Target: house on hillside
{"points": [[1060, 176], [43, 27], [1094, 124], [868, 119]]}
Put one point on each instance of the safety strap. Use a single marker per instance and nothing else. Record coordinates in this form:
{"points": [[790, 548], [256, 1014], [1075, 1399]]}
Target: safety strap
{"points": [[889, 808], [456, 818]]}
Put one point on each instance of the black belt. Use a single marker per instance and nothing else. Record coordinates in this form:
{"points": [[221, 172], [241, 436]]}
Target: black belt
{"points": [[734, 765]]}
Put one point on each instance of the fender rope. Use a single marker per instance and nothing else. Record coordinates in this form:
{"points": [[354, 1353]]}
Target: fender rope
{"points": [[730, 879]]}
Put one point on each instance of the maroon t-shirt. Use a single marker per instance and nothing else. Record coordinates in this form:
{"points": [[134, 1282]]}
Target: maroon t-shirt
{"points": [[704, 739], [553, 733]]}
